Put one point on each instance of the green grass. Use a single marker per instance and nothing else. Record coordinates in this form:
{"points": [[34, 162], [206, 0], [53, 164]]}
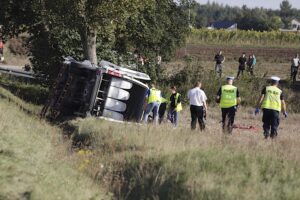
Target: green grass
{"points": [[34, 161], [147, 162], [244, 38]]}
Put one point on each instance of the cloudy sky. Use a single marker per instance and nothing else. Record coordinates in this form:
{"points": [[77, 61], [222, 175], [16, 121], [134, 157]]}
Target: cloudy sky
{"points": [[274, 4]]}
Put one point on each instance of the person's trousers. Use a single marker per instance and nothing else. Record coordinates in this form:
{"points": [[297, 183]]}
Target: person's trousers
{"points": [[241, 71], [161, 111], [228, 115], [294, 71], [152, 107], [270, 122], [197, 115], [173, 116]]}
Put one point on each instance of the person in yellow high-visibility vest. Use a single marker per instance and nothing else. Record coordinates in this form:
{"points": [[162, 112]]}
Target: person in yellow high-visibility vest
{"points": [[175, 106], [153, 103], [228, 97], [272, 102]]}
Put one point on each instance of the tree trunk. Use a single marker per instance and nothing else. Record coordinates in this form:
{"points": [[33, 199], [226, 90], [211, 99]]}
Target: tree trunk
{"points": [[88, 38]]}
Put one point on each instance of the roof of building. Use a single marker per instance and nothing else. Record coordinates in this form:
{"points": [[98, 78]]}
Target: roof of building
{"points": [[223, 24]]}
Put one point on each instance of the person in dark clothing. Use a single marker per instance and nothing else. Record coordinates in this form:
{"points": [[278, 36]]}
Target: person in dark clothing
{"points": [[162, 110], [250, 64], [228, 97], [272, 102], [175, 106], [219, 59], [242, 65]]}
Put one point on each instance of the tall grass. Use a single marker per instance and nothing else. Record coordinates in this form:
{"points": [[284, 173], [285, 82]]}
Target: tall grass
{"points": [[34, 160], [147, 162], [245, 38]]}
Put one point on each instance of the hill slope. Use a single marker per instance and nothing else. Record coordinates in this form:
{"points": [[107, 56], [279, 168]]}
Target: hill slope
{"points": [[34, 163]]}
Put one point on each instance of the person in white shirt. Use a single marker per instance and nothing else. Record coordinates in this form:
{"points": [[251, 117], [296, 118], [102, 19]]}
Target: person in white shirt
{"points": [[198, 106], [294, 67]]}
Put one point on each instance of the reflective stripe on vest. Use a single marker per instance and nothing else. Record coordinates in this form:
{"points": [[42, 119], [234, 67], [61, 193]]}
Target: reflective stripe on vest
{"points": [[272, 98], [228, 96], [155, 96], [178, 105]]}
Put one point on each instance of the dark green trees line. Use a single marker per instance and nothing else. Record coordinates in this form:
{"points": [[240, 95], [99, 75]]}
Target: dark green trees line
{"points": [[258, 19], [94, 29]]}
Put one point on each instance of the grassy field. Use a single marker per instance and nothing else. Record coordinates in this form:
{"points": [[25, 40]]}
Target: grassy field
{"points": [[134, 161], [147, 162], [35, 162]]}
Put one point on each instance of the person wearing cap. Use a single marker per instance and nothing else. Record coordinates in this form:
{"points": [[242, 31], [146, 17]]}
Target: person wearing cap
{"points": [[175, 106], [271, 101], [198, 107], [153, 103], [228, 97], [242, 65]]}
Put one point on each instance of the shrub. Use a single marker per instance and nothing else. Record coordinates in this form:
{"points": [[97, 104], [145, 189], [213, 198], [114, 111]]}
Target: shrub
{"points": [[18, 46]]}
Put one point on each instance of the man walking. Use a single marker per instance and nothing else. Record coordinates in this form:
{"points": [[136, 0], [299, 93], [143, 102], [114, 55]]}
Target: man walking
{"points": [[175, 106], [272, 102], [229, 98], [153, 103], [198, 106], [294, 67], [242, 65], [219, 59]]}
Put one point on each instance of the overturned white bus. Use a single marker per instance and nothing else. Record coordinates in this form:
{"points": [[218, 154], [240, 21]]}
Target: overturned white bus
{"points": [[106, 91]]}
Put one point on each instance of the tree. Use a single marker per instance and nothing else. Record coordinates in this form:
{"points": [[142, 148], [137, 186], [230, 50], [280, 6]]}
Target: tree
{"points": [[286, 13]]}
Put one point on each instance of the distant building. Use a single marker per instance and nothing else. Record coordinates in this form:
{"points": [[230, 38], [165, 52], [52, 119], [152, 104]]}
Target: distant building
{"points": [[228, 25], [295, 25]]}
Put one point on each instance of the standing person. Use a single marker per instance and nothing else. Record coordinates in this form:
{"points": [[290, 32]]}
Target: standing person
{"points": [[198, 106], [250, 64], [219, 59], [175, 106], [153, 103], [272, 102], [162, 109], [242, 65], [229, 98], [294, 67], [1, 50]]}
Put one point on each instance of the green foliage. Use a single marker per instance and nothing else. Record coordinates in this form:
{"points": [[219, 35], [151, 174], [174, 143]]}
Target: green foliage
{"points": [[241, 37], [247, 18]]}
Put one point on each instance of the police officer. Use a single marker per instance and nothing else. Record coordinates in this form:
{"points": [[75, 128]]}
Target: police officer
{"points": [[229, 98], [153, 103], [175, 106], [272, 102]]}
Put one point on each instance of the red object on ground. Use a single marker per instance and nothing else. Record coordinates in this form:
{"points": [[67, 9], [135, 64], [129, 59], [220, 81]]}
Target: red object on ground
{"points": [[247, 127]]}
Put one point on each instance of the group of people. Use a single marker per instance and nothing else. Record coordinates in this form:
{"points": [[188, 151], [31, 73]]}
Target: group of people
{"points": [[244, 63], [271, 102]]}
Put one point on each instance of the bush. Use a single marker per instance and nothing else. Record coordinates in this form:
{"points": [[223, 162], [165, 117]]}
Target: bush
{"points": [[18, 45]]}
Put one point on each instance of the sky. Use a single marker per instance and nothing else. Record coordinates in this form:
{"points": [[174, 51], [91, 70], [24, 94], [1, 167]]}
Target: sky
{"points": [[273, 4]]}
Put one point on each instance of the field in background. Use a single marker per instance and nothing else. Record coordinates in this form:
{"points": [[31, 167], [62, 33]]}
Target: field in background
{"points": [[242, 38]]}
